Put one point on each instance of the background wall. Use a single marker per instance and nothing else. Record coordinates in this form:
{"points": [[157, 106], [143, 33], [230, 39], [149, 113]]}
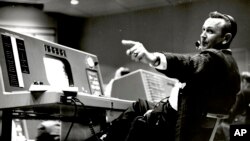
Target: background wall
{"points": [[28, 20]]}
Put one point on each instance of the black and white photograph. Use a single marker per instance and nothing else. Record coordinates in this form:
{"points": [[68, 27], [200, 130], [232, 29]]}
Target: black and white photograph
{"points": [[124, 70]]}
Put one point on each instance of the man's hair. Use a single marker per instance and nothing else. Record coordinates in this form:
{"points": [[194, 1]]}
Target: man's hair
{"points": [[231, 25], [245, 76]]}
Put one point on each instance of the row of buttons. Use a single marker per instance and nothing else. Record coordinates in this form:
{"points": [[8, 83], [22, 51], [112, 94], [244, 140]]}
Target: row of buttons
{"points": [[54, 50]]}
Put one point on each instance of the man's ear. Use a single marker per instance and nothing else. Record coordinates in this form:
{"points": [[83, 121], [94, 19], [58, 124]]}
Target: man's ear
{"points": [[227, 38]]}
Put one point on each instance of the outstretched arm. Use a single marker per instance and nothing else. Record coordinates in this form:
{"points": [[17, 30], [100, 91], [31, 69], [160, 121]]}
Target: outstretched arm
{"points": [[138, 52]]}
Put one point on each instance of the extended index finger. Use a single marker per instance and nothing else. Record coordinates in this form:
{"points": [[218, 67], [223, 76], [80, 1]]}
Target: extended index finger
{"points": [[128, 43]]}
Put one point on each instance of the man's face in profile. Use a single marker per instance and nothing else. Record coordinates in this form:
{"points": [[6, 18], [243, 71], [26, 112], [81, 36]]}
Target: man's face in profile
{"points": [[211, 35]]}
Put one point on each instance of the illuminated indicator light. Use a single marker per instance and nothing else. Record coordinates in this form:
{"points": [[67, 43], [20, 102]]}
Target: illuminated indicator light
{"points": [[74, 2], [90, 62]]}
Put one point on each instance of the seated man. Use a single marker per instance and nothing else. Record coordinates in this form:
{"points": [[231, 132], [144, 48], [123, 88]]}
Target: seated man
{"points": [[48, 131], [212, 81], [242, 104], [240, 112], [118, 73]]}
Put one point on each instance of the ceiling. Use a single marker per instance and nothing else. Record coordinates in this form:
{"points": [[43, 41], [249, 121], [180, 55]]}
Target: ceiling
{"points": [[91, 8]]}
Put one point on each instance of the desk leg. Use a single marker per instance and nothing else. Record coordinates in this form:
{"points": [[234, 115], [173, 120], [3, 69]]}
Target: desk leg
{"points": [[6, 125]]}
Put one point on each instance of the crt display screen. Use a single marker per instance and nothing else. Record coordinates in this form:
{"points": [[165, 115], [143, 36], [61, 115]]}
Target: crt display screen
{"points": [[56, 72]]}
